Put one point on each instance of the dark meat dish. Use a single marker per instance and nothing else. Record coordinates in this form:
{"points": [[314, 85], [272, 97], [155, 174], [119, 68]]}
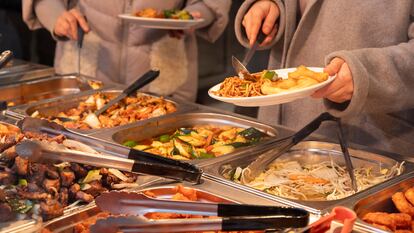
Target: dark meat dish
{"points": [[27, 187]]}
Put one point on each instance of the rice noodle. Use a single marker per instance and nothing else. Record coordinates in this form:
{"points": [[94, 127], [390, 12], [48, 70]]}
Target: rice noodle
{"points": [[293, 180]]}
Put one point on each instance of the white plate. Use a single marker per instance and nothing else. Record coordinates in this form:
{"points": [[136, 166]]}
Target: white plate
{"points": [[157, 23], [273, 99]]}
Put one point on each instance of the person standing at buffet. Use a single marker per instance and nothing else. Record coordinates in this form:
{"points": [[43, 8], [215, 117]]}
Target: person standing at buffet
{"points": [[117, 51], [369, 45]]}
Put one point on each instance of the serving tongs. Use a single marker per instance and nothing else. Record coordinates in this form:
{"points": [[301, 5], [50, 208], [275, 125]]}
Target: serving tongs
{"points": [[276, 147], [233, 216], [5, 58], [240, 67], [146, 163]]}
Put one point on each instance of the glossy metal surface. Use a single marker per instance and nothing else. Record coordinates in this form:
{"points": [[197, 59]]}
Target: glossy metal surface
{"points": [[208, 191], [320, 151], [379, 200], [18, 71], [47, 88]]}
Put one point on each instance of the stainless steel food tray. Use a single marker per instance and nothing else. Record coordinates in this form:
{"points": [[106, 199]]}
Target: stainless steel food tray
{"points": [[154, 127], [207, 191], [323, 149], [378, 200], [45, 88], [22, 71], [52, 107]]}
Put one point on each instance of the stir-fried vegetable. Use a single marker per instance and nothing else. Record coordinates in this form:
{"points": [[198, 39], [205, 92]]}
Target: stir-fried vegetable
{"points": [[200, 142], [91, 176]]}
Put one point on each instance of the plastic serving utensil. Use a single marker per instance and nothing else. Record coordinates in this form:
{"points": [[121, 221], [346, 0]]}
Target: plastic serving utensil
{"points": [[137, 84]]}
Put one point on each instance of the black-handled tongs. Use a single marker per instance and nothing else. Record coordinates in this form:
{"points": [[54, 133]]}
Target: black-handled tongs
{"points": [[276, 147], [137, 161], [234, 217]]}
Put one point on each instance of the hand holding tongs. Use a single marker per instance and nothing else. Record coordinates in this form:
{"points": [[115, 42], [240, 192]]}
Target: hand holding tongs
{"points": [[276, 147], [234, 216], [116, 156]]}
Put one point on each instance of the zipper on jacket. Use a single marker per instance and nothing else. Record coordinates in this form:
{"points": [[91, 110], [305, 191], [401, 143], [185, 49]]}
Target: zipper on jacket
{"points": [[124, 45]]}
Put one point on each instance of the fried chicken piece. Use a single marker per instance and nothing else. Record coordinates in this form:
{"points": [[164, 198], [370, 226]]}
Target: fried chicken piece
{"points": [[402, 204], [381, 227], [401, 220], [80, 195], [380, 218], [50, 209], [409, 195]]}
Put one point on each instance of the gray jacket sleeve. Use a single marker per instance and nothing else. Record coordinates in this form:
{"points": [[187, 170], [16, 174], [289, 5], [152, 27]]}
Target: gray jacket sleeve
{"points": [[42, 13], [383, 78], [215, 13], [241, 35]]}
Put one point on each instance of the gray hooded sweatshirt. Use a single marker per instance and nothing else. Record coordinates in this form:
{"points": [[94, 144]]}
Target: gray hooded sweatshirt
{"points": [[120, 52], [376, 39]]}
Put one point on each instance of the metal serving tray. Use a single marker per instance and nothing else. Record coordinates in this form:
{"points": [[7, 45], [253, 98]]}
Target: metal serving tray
{"points": [[52, 107], [208, 191], [46, 88], [22, 71], [142, 130], [378, 200], [320, 151]]}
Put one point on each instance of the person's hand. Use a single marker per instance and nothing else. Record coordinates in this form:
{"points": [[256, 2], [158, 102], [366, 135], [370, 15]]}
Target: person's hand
{"points": [[342, 88], [265, 11], [178, 34], [67, 24]]}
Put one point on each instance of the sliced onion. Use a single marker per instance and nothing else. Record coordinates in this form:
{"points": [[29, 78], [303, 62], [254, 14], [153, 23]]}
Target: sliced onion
{"points": [[118, 174], [92, 121], [125, 185]]}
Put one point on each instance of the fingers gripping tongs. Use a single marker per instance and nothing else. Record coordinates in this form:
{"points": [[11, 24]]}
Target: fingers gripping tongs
{"points": [[276, 147], [232, 217]]}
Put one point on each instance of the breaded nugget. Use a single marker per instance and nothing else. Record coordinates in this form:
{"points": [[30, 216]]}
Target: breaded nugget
{"points": [[401, 220], [380, 218], [409, 194], [402, 204]]}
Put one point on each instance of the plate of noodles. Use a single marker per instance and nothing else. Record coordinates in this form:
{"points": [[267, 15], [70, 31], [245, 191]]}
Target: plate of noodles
{"points": [[271, 87], [163, 19]]}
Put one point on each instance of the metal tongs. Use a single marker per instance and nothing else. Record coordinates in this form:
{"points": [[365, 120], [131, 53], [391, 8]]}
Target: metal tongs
{"points": [[277, 147], [115, 156], [234, 217]]}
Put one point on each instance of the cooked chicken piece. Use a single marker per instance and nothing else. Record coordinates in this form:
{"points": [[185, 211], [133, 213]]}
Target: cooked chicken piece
{"points": [[52, 172], [67, 177], [401, 220], [50, 209], [36, 173], [95, 188], [73, 190], [79, 170], [409, 194], [9, 155], [7, 178], [80, 195], [380, 218], [64, 196], [21, 165], [402, 204], [23, 194], [51, 186], [6, 213]]}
